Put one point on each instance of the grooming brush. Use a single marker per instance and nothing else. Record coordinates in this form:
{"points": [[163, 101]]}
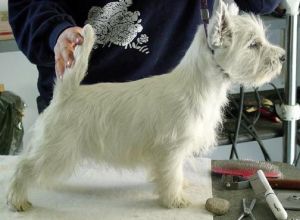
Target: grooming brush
{"points": [[245, 168]]}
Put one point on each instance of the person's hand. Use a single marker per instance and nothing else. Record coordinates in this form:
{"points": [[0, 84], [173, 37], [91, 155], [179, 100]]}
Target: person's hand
{"points": [[64, 49]]}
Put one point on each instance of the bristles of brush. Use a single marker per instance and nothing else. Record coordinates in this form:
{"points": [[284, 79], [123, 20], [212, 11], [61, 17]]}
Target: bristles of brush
{"points": [[249, 164], [246, 167]]}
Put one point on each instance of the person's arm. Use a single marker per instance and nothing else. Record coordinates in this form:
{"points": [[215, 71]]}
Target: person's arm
{"points": [[36, 26], [258, 6]]}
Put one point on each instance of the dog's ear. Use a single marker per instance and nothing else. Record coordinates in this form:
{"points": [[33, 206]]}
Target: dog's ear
{"points": [[233, 9], [219, 28]]}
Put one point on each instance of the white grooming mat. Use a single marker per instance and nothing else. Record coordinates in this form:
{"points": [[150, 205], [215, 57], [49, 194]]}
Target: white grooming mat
{"points": [[103, 193]]}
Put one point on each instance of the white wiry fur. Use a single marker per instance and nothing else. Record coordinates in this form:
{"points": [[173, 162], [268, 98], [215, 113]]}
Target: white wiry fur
{"points": [[156, 122]]}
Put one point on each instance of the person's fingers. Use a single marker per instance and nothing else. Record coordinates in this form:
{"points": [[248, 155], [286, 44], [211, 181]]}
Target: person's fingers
{"points": [[74, 36], [64, 58], [59, 61], [67, 53], [59, 67], [64, 49]]}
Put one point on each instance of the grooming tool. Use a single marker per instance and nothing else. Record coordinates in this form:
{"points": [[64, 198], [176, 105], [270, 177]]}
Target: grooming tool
{"points": [[247, 211], [284, 184], [245, 168], [237, 182], [234, 182], [290, 201], [260, 185], [268, 114]]}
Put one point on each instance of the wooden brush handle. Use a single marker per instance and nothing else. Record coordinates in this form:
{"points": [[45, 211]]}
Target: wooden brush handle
{"points": [[284, 183]]}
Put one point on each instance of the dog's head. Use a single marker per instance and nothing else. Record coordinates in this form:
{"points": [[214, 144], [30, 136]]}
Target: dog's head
{"points": [[240, 46]]}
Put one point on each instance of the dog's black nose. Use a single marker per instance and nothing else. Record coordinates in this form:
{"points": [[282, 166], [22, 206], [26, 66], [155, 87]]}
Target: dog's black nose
{"points": [[282, 59]]}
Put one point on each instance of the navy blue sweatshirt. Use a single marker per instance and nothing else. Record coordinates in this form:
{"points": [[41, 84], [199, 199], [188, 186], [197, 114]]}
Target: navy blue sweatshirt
{"points": [[135, 38]]}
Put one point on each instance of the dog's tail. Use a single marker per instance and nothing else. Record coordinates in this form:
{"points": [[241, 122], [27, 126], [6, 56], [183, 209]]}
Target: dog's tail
{"points": [[74, 75]]}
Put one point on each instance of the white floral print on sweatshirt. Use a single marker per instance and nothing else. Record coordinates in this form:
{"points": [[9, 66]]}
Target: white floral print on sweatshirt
{"points": [[114, 24]]}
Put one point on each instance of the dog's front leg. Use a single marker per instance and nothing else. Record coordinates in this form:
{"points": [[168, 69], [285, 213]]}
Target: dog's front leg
{"points": [[168, 175]]}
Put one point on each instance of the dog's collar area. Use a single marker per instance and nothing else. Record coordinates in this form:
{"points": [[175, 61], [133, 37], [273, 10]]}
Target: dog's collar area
{"points": [[204, 13], [224, 72], [221, 69], [205, 19]]}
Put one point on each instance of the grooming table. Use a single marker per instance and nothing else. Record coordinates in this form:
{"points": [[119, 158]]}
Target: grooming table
{"points": [[102, 193]]}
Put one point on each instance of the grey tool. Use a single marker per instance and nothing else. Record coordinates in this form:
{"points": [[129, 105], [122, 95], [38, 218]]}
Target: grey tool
{"points": [[234, 182], [290, 200], [247, 211]]}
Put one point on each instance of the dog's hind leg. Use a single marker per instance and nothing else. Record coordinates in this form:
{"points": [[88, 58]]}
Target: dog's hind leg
{"points": [[42, 167], [168, 175], [17, 192]]}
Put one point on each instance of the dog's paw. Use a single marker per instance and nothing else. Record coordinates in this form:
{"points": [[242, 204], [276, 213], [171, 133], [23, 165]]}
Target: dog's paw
{"points": [[20, 207], [176, 202], [17, 204]]}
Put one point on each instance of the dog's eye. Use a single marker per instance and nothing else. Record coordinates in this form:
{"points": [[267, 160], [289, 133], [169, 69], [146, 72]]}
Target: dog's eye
{"points": [[255, 45]]}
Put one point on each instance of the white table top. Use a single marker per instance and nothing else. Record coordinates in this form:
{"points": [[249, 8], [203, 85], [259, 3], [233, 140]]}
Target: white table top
{"points": [[104, 193]]}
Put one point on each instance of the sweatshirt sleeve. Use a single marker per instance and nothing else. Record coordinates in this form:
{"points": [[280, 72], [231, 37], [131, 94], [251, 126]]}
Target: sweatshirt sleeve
{"points": [[258, 6], [36, 25]]}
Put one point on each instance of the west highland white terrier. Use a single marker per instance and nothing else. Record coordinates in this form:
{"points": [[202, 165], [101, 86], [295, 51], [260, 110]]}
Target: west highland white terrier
{"points": [[155, 122]]}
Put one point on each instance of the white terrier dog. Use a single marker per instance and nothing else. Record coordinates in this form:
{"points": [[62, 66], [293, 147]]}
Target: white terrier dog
{"points": [[155, 122]]}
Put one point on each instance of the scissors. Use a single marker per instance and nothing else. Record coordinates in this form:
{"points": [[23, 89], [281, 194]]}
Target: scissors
{"points": [[248, 210]]}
